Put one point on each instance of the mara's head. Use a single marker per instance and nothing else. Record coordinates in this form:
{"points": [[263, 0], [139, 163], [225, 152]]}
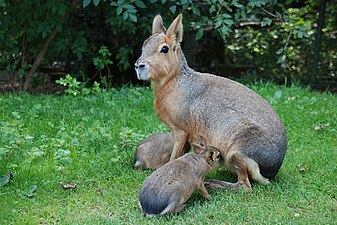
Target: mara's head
{"points": [[209, 153], [159, 60]]}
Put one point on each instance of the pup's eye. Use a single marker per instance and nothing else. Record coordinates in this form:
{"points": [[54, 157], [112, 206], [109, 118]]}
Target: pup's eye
{"points": [[164, 49]]}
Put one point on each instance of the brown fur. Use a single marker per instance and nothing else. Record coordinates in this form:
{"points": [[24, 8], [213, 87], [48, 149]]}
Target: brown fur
{"points": [[155, 151], [231, 117], [167, 189]]}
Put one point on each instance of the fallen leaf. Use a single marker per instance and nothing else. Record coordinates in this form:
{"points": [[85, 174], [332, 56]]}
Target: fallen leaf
{"points": [[278, 94], [5, 179], [31, 192], [68, 186], [319, 127]]}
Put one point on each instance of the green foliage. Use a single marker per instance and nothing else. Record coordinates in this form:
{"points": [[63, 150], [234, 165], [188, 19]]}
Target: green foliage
{"points": [[75, 87], [99, 134], [101, 62], [126, 23]]}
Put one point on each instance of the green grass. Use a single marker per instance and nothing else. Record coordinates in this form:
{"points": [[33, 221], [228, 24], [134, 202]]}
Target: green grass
{"points": [[51, 140]]}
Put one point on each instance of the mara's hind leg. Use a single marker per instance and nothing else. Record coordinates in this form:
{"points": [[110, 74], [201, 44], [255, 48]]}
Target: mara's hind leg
{"points": [[240, 166], [244, 167], [254, 172]]}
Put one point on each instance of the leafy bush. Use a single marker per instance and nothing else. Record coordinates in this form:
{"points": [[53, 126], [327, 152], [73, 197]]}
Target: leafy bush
{"points": [[75, 87], [275, 36]]}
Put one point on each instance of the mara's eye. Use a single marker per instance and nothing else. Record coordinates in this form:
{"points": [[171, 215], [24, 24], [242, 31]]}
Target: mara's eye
{"points": [[164, 49]]}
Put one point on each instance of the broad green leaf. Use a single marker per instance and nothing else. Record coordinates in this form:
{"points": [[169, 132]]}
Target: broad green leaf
{"points": [[44, 34], [125, 15], [2, 3], [199, 34], [212, 9], [173, 9], [119, 10], [184, 2], [133, 18], [257, 3], [266, 22], [96, 2], [237, 5], [281, 59], [130, 8], [218, 24], [224, 30], [237, 15], [228, 22], [195, 10], [226, 15], [140, 4], [86, 3], [62, 9], [280, 51]]}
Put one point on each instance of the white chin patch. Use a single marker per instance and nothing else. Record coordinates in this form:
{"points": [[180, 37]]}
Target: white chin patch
{"points": [[142, 74]]}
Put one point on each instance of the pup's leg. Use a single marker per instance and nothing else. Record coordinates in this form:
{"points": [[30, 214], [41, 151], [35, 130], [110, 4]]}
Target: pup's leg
{"points": [[222, 184], [203, 191]]}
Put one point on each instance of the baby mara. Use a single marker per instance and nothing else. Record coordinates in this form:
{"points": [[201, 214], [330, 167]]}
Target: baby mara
{"points": [[168, 188], [155, 151]]}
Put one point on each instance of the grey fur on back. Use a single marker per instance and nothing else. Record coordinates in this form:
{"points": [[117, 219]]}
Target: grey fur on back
{"points": [[173, 182], [235, 117]]}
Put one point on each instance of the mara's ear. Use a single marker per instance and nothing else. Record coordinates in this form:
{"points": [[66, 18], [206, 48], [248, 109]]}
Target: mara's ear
{"points": [[157, 25], [212, 154], [197, 148], [176, 28]]}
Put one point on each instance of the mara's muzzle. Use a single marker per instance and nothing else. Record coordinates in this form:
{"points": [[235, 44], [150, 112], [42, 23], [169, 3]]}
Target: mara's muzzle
{"points": [[142, 70]]}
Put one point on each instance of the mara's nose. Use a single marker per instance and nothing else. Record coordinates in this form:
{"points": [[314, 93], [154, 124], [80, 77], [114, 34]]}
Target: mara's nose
{"points": [[139, 65]]}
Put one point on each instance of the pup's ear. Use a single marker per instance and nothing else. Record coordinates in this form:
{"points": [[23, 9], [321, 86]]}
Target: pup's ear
{"points": [[212, 154], [197, 148]]}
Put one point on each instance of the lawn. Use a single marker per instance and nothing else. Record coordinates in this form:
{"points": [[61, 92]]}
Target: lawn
{"points": [[71, 160]]}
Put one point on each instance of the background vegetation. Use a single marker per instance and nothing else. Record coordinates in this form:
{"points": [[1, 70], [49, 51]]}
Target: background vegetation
{"points": [[96, 40], [68, 160]]}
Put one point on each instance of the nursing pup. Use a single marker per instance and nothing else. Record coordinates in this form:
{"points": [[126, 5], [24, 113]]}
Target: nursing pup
{"points": [[168, 188], [154, 151]]}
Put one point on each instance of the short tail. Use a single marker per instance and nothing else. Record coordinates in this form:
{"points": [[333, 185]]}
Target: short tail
{"points": [[150, 203], [138, 165]]}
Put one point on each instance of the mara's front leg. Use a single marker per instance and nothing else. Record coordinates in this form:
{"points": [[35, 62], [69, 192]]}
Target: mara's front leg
{"points": [[180, 138]]}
